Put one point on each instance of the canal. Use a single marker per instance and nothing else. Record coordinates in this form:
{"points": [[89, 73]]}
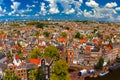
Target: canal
{"points": [[114, 75]]}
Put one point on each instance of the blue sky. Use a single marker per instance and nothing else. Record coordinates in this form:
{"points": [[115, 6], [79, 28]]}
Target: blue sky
{"points": [[95, 10]]}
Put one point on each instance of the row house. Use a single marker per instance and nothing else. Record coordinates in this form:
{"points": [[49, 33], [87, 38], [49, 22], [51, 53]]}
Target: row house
{"points": [[112, 54]]}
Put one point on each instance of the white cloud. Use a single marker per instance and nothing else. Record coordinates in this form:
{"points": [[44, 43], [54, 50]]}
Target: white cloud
{"points": [[15, 6], [36, 14], [100, 12], [117, 8], [92, 3], [9, 14], [118, 18], [70, 11], [43, 9], [111, 5], [30, 6], [87, 13], [24, 10], [2, 11], [53, 7], [54, 10], [66, 5]]}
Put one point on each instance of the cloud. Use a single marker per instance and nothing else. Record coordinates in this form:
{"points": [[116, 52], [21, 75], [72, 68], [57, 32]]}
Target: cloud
{"points": [[70, 11], [67, 6], [30, 6], [24, 11], [111, 5], [2, 11], [117, 8], [87, 13], [15, 5], [100, 13], [53, 7], [92, 3], [43, 9]]}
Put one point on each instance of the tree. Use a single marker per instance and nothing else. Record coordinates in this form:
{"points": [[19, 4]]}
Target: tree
{"points": [[9, 54], [95, 30], [9, 75], [67, 28], [35, 53], [40, 25], [100, 63], [60, 71], [52, 52], [78, 35], [63, 34], [37, 74], [46, 34]]}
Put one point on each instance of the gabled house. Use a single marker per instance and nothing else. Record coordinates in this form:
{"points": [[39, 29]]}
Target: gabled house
{"points": [[16, 61], [70, 56]]}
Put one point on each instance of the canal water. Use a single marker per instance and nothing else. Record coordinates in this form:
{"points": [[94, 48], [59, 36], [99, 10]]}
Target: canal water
{"points": [[114, 75]]}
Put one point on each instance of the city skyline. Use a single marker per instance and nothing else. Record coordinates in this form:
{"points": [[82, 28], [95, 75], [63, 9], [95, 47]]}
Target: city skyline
{"points": [[95, 10]]}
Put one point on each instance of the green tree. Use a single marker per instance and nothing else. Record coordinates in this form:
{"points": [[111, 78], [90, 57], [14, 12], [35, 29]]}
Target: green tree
{"points": [[52, 52], [78, 35], [67, 28], [32, 23], [95, 30], [60, 71], [9, 54], [35, 53], [46, 34], [37, 74], [40, 25], [63, 34], [15, 25], [9, 75], [100, 63]]}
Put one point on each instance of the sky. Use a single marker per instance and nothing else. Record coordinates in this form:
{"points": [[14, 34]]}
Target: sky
{"points": [[94, 10]]}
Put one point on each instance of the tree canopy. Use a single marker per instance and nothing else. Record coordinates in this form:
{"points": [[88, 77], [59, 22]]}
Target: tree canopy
{"points": [[40, 25], [46, 34], [9, 75], [52, 52], [78, 35], [60, 71], [37, 74], [35, 53], [100, 62], [63, 34]]}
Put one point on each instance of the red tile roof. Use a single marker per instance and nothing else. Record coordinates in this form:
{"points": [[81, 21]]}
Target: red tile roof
{"points": [[16, 47], [82, 40], [1, 45], [88, 48], [17, 57], [35, 61], [62, 39], [108, 47]]}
